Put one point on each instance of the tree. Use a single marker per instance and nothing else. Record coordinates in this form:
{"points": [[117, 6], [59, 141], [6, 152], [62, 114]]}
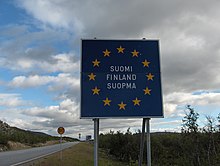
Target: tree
{"points": [[210, 125], [218, 118], [190, 124], [209, 129]]}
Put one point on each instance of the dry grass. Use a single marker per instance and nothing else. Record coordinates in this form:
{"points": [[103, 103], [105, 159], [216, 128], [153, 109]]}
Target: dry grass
{"points": [[78, 155]]}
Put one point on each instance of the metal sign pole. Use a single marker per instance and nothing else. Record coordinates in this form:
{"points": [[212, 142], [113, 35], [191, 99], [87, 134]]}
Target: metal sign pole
{"points": [[142, 143], [148, 143], [61, 130], [61, 155], [96, 141]]}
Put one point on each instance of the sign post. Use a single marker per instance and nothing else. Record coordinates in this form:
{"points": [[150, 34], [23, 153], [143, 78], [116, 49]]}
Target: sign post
{"points": [[96, 141], [61, 131], [121, 79], [142, 143], [148, 143]]}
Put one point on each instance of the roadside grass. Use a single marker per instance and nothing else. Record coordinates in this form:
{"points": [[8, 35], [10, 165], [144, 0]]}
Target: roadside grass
{"points": [[77, 155]]}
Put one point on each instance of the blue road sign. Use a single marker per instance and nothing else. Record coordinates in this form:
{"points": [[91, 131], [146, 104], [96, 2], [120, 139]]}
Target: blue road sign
{"points": [[120, 78]]}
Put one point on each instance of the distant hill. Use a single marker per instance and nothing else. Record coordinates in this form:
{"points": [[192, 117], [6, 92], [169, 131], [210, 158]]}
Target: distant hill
{"points": [[27, 138]]}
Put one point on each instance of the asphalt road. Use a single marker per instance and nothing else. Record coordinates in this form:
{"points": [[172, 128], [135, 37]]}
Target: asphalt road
{"points": [[13, 158]]}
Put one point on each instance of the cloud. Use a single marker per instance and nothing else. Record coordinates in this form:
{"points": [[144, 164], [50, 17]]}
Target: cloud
{"points": [[58, 82], [58, 16], [206, 98], [66, 114], [63, 63], [45, 50], [175, 102], [109, 18], [64, 85], [11, 100], [31, 81], [14, 31]]}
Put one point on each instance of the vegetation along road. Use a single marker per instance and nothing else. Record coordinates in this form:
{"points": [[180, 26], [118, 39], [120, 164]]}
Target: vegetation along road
{"points": [[22, 156]]}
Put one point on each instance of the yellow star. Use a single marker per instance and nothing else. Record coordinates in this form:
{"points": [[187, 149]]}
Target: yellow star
{"points": [[136, 101], [92, 76], [106, 101], [146, 63], [106, 52], [120, 49], [95, 63], [135, 53], [150, 76], [122, 106], [95, 91], [147, 91]]}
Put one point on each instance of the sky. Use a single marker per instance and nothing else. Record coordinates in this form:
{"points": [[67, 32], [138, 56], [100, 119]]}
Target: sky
{"points": [[40, 44]]}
